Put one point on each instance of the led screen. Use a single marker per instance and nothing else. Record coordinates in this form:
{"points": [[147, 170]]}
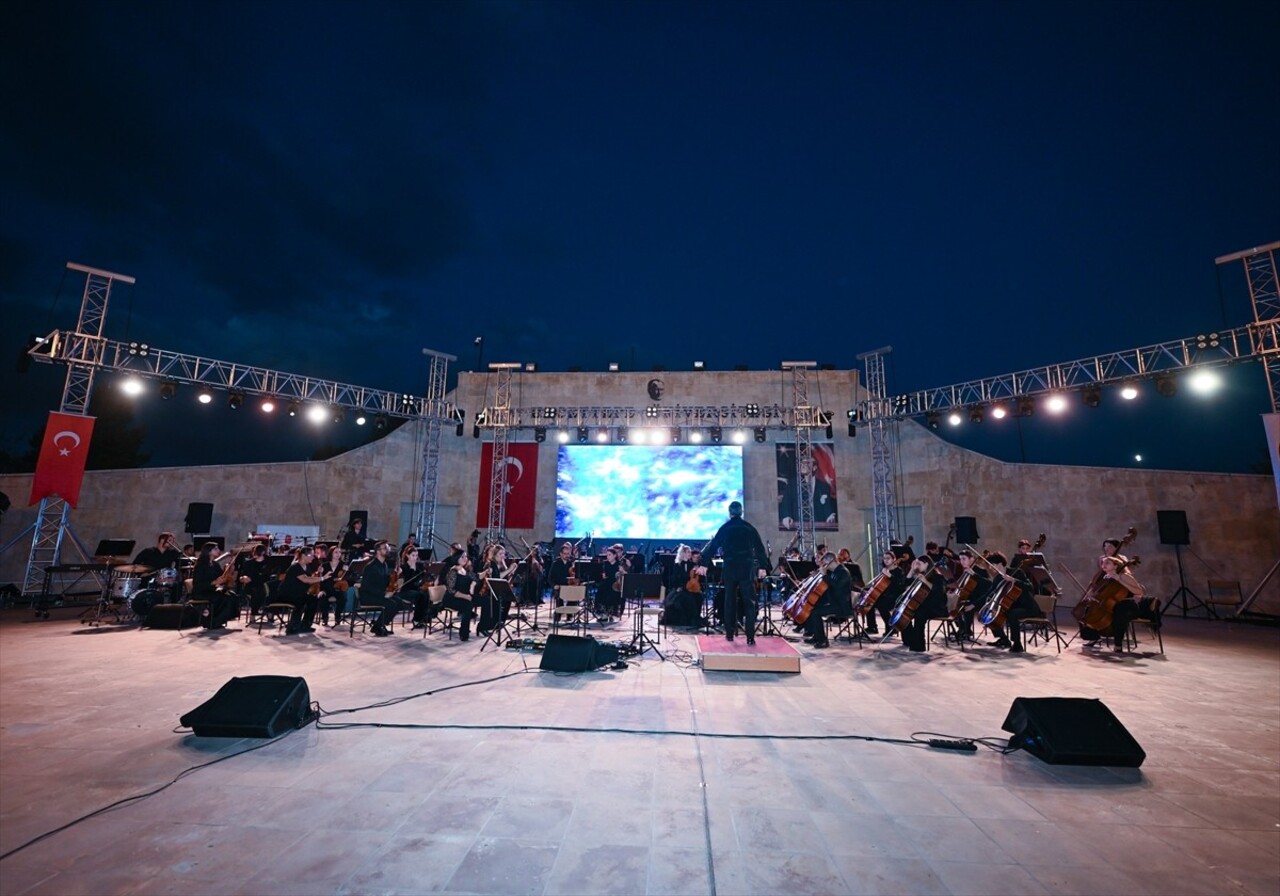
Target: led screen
{"points": [[646, 491]]}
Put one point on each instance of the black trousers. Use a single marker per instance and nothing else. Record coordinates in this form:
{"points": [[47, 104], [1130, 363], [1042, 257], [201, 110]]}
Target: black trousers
{"points": [[739, 601]]}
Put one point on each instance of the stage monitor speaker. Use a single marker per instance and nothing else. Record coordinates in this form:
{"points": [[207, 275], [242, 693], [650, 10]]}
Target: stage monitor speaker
{"points": [[1071, 731], [1173, 527], [199, 518], [256, 706], [966, 530], [173, 616], [569, 653]]}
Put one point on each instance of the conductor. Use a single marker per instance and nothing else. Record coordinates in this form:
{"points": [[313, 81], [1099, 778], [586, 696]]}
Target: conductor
{"points": [[745, 561]]}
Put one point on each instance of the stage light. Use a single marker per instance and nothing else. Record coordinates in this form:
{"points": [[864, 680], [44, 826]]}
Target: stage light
{"points": [[640, 436], [1129, 391], [460, 419], [696, 436], [132, 386], [530, 367], [739, 436], [675, 435], [829, 432], [293, 409], [760, 434], [1026, 406], [317, 414], [651, 412], [1055, 404], [140, 349], [999, 411], [1092, 395], [361, 420], [621, 435], [753, 410], [716, 434], [602, 436], [475, 427], [267, 406], [699, 365], [657, 436], [1209, 341], [339, 414], [1166, 385], [853, 422], [583, 435], [1137, 458], [562, 436], [380, 423], [1204, 382], [168, 389], [954, 418], [975, 413], [539, 433], [933, 419], [235, 401], [613, 367], [549, 413]]}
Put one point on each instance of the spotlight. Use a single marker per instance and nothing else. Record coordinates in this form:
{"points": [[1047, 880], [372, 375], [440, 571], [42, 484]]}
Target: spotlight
{"points": [[830, 434], [562, 436], [739, 436], [760, 434], [1092, 395], [1129, 391], [853, 422], [1026, 406], [549, 413], [583, 435], [380, 423], [641, 436], [1209, 341], [602, 436], [168, 389], [267, 406], [621, 435], [530, 367], [1056, 404], [293, 409], [132, 386], [699, 365], [999, 411], [317, 414], [613, 367], [954, 418], [235, 401], [140, 349], [1204, 382], [475, 427], [339, 414], [539, 433], [933, 419], [460, 418], [675, 434], [753, 410], [716, 434], [361, 420], [696, 437], [975, 413], [651, 412]]}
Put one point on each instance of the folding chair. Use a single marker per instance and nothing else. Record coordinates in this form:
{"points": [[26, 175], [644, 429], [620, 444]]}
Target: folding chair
{"points": [[573, 611]]}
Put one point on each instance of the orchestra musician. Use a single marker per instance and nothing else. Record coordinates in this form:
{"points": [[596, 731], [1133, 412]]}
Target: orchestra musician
{"points": [[165, 555], [474, 551], [609, 588], [682, 606], [205, 580], [295, 589], [934, 605], [977, 596], [412, 585], [1136, 605], [331, 565], [375, 583], [745, 561], [561, 570], [837, 600], [460, 591], [355, 543], [495, 566], [895, 565], [1110, 548], [1024, 607], [252, 574]]}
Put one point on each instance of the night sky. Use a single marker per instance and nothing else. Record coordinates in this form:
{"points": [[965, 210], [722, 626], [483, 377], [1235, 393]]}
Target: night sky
{"points": [[328, 188]]}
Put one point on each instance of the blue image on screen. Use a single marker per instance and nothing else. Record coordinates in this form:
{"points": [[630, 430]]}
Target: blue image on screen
{"points": [[648, 492]]}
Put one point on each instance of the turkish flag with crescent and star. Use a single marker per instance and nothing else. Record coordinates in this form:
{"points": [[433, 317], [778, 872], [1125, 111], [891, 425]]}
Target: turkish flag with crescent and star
{"points": [[60, 469], [522, 484]]}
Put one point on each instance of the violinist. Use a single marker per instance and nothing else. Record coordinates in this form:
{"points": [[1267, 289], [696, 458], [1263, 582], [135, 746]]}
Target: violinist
{"points": [[333, 590], [837, 600], [296, 588], [1023, 607], [205, 583], [460, 592], [609, 589], [933, 606], [683, 602], [253, 577], [494, 566], [412, 588], [1134, 605], [375, 582], [561, 570]]}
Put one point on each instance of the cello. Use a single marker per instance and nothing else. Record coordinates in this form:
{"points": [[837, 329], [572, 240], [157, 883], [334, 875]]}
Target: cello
{"points": [[911, 598], [1083, 607], [799, 606], [1100, 604]]}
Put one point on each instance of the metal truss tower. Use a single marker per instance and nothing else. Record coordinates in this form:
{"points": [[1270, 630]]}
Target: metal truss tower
{"points": [[804, 418], [85, 352], [498, 420], [435, 410], [883, 496], [1264, 291]]}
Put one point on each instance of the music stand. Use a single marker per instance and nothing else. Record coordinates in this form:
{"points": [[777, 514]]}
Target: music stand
{"points": [[801, 569], [641, 587], [770, 589], [115, 547], [500, 592]]}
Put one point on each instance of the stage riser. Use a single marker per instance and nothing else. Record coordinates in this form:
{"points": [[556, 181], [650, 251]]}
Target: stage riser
{"points": [[767, 655]]}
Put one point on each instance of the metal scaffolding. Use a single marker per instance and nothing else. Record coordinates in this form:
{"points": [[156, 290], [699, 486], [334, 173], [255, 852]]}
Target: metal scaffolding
{"points": [[497, 422], [884, 500], [437, 410], [1264, 292], [804, 417]]}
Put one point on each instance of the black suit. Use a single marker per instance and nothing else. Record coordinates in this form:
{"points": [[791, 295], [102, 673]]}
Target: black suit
{"points": [[744, 556]]}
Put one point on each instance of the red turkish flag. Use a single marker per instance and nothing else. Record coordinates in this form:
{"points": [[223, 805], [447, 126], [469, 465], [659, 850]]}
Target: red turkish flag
{"points": [[522, 484], [60, 469]]}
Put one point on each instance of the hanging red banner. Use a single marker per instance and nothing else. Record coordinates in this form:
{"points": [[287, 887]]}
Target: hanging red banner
{"points": [[522, 484], [60, 469]]}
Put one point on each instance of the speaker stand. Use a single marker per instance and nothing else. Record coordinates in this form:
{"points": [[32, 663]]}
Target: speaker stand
{"points": [[1183, 592]]}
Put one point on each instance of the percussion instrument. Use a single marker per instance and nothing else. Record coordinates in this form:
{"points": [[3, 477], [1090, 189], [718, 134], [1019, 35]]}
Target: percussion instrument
{"points": [[145, 600], [124, 587]]}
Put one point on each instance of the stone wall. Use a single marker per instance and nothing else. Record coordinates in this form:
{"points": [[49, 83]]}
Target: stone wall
{"points": [[1235, 524]]}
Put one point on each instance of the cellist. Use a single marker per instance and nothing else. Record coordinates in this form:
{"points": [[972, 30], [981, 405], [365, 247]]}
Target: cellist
{"points": [[1110, 549], [1132, 606], [934, 605], [837, 600], [1023, 607]]}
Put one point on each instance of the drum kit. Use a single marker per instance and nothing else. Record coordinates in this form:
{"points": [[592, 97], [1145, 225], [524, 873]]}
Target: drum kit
{"points": [[137, 588]]}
